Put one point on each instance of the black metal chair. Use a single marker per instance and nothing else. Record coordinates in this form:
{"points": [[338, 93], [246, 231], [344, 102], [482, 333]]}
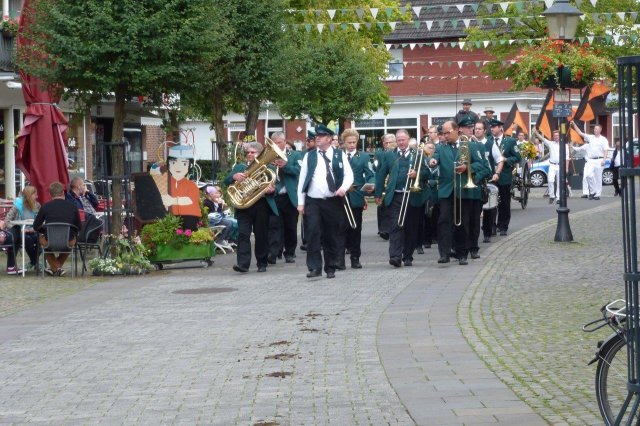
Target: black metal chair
{"points": [[89, 239], [58, 235]]}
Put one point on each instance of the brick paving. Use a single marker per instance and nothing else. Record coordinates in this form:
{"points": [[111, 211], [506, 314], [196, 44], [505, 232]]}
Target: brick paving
{"points": [[484, 344]]}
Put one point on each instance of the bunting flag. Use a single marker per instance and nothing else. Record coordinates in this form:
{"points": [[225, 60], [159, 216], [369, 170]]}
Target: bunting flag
{"points": [[546, 123], [515, 122], [593, 102]]}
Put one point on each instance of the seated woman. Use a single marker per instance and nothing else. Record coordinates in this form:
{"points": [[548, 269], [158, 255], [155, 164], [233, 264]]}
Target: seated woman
{"points": [[6, 241], [215, 203], [24, 208]]}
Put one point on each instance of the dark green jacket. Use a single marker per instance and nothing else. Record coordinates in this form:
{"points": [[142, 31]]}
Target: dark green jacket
{"points": [[511, 155], [389, 167], [288, 176], [447, 156], [361, 174], [241, 167]]}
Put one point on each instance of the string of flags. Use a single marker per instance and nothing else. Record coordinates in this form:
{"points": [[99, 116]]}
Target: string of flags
{"points": [[462, 23], [607, 39], [446, 77], [446, 8]]}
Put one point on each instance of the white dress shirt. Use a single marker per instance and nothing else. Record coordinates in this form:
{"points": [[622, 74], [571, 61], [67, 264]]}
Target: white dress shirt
{"points": [[318, 187], [554, 151]]}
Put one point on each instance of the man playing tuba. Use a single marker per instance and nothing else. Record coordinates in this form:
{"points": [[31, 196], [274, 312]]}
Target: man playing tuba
{"points": [[254, 218]]}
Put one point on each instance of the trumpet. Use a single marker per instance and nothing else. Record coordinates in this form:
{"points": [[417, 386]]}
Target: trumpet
{"points": [[347, 209], [410, 187], [464, 157]]}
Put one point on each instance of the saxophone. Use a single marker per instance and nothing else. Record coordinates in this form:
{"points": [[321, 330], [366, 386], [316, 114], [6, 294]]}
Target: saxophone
{"points": [[244, 194]]}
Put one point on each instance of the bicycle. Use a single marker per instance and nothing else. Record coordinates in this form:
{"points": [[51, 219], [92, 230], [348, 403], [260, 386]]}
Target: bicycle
{"points": [[611, 372]]}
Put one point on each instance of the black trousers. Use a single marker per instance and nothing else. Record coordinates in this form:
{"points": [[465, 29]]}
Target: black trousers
{"points": [[383, 222], [431, 225], [349, 237], [475, 207], [450, 235], [283, 229], [402, 241], [420, 227], [616, 177], [504, 207], [256, 219], [489, 222], [322, 219]]}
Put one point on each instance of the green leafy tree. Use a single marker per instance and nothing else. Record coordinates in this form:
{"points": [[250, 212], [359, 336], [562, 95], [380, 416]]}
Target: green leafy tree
{"points": [[101, 49], [612, 35]]}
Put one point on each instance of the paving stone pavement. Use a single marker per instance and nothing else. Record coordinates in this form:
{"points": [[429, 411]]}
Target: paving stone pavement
{"points": [[373, 346]]}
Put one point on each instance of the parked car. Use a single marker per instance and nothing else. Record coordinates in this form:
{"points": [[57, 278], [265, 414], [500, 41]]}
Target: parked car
{"points": [[540, 169]]}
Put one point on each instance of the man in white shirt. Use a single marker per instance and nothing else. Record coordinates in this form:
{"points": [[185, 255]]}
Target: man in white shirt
{"points": [[596, 148], [325, 178], [554, 163], [496, 162]]}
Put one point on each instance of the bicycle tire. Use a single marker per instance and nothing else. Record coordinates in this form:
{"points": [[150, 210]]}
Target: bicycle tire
{"points": [[611, 380]]}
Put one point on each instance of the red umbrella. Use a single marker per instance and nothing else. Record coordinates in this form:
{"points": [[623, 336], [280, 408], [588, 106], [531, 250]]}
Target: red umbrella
{"points": [[42, 155]]}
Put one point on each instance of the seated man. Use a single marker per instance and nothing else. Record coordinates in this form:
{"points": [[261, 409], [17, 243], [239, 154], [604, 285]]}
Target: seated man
{"points": [[83, 199], [58, 210]]}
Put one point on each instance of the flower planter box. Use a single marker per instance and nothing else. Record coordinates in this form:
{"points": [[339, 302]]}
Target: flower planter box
{"points": [[168, 253]]}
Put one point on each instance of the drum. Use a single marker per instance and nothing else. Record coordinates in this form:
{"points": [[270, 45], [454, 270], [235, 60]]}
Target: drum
{"points": [[493, 197]]}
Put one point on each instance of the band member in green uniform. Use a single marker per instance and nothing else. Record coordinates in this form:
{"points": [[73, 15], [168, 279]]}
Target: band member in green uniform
{"points": [[349, 237], [453, 176], [511, 157], [398, 165], [283, 228]]}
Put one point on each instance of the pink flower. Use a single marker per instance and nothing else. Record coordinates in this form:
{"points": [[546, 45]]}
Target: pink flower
{"points": [[179, 231], [187, 232]]}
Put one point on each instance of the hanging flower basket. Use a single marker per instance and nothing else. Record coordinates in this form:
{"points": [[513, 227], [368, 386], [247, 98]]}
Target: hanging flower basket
{"points": [[559, 65]]}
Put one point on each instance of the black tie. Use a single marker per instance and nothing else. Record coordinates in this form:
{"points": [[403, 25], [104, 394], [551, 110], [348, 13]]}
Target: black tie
{"points": [[349, 156], [402, 154], [330, 182]]}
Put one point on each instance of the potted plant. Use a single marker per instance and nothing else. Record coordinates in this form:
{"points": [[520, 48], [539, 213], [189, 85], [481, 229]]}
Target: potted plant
{"points": [[125, 258], [167, 240], [555, 64]]}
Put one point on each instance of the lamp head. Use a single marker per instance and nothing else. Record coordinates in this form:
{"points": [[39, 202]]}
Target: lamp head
{"points": [[562, 20]]}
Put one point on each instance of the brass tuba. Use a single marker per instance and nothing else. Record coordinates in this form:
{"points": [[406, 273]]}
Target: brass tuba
{"points": [[259, 177], [464, 157]]}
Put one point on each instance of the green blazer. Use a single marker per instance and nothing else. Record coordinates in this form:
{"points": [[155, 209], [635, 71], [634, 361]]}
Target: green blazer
{"points": [[361, 174], [511, 155], [241, 167], [288, 176], [447, 155], [388, 166]]}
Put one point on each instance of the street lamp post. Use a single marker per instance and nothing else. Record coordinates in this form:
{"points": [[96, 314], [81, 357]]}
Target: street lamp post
{"points": [[562, 22]]}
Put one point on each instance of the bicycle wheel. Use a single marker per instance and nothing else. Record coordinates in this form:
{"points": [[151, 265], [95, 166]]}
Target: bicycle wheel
{"points": [[611, 380]]}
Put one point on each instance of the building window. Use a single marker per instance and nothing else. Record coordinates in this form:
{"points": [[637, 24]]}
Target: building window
{"points": [[374, 129], [395, 67]]}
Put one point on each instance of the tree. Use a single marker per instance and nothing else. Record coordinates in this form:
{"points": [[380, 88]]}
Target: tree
{"points": [[118, 49], [601, 27]]}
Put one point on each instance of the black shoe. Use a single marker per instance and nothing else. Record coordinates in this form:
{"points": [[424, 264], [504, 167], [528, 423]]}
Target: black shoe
{"points": [[262, 269], [486, 240], [314, 273], [303, 247], [408, 262], [454, 255], [444, 259], [551, 200], [475, 255], [395, 262], [584, 196], [355, 264], [289, 259], [340, 266], [595, 198], [591, 196], [331, 274], [61, 272], [503, 233], [384, 235], [419, 250], [238, 268], [271, 260], [463, 261], [427, 246]]}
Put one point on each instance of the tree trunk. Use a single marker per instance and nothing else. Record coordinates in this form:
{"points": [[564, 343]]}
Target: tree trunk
{"points": [[175, 126], [217, 114], [117, 161], [253, 111], [342, 124]]}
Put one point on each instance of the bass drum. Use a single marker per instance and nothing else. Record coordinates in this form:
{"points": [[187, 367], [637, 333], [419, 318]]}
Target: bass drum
{"points": [[493, 197]]}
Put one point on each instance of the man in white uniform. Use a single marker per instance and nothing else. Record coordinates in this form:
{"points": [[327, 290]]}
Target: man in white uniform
{"points": [[596, 148], [554, 163]]}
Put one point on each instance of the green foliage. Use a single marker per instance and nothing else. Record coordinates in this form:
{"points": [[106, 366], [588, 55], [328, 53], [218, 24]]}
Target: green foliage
{"points": [[129, 258], [169, 231], [606, 31]]}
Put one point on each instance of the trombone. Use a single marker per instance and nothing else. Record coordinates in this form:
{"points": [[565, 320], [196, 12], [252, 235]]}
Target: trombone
{"points": [[464, 157], [347, 209], [409, 186]]}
